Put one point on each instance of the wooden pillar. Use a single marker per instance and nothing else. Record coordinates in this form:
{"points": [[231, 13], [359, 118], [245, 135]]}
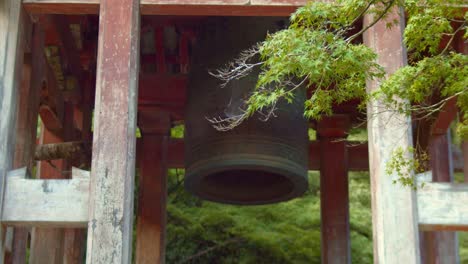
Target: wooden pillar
{"points": [[151, 218], [334, 196], [26, 126], [394, 211], [13, 34], [110, 227], [73, 238], [441, 246], [74, 241], [73, 246]]}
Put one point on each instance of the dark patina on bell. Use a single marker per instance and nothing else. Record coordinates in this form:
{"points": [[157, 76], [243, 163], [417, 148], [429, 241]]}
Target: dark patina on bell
{"points": [[258, 162]]}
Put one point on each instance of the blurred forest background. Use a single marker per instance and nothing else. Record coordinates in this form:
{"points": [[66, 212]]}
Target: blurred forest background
{"points": [[205, 232]]}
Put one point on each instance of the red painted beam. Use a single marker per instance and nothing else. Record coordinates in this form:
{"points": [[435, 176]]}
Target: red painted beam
{"points": [[151, 213], [334, 193], [169, 7], [162, 89]]}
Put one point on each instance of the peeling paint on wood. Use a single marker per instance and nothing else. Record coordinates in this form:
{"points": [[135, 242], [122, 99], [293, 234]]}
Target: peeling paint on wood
{"points": [[110, 229], [46, 203], [12, 45]]}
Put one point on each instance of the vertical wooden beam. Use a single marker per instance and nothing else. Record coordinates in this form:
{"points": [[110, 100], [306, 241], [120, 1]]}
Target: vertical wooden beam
{"points": [[440, 246], [12, 45], [334, 196], [73, 241], [110, 227], [151, 218], [26, 126], [394, 212], [74, 246]]}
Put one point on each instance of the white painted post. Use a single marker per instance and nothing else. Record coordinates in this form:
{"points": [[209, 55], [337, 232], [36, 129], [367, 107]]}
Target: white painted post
{"points": [[394, 211], [11, 60]]}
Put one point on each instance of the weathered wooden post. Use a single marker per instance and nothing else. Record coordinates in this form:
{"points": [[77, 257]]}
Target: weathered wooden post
{"points": [[151, 216], [394, 211], [12, 42], [334, 197], [113, 162], [26, 124]]}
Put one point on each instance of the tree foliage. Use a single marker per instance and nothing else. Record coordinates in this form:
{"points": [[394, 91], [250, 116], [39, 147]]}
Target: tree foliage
{"points": [[321, 50]]}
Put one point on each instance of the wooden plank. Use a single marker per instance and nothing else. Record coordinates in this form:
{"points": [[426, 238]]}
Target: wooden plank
{"points": [[46, 203], [110, 228], [394, 211], [357, 154], [26, 127], [13, 32], [151, 214], [334, 194], [440, 246], [172, 7], [74, 246], [151, 217], [442, 206]]}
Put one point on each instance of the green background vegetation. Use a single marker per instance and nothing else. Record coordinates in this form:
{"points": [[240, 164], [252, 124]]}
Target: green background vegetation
{"points": [[206, 232]]}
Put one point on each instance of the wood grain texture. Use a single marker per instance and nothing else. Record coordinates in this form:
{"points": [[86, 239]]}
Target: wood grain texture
{"points": [[26, 126], [394, 210], [151, 216], [110, 227], [174, 7], [46, 203], [12, 45]]}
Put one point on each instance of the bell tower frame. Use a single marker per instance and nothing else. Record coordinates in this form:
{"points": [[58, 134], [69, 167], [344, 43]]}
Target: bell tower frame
{"points": [[101, 200]]}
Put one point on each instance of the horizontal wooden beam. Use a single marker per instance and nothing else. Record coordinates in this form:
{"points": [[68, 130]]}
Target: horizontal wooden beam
{"points": [[46, 203], [442, 206], [162, 90], [64, 203], [171, 7], [357, 154]]}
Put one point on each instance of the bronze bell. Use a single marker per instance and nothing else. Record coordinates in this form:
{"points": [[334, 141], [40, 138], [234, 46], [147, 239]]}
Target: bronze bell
{"points": [[258, 162]]}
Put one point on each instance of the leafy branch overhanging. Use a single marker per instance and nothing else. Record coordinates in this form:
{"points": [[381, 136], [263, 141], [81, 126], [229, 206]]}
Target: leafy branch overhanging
{"points": [[321, 51]]}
